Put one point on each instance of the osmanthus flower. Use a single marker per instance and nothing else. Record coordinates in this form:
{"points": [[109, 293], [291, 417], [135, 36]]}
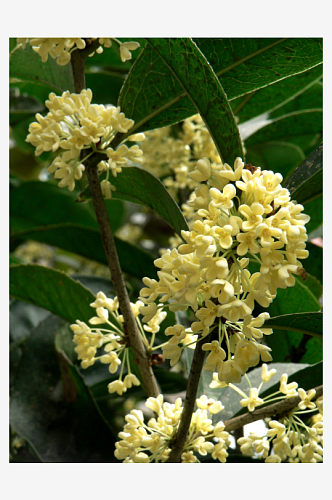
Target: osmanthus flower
{"points": [[110, 336], [73, 125], [151, 442], [238, 215], [289, 438], [62, 48]]}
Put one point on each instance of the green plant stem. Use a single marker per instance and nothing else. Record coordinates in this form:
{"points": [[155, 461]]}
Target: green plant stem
{"points": [[276, 409], [189, 403], [130, 326]]}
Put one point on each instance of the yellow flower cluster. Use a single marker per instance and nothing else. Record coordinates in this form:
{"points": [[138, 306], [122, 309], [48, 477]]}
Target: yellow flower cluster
{"points": [[74, 124], [111, 336], [61, 48], [146, 443], [289, 439], [172, 157], [238, 215]]}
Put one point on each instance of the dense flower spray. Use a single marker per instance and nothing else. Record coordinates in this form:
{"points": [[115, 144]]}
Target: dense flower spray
{"points": [[74, 125], [238, 216], [144, 443], [62, 48]]}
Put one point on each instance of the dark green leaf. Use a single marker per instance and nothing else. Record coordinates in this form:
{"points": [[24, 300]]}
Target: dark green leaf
{"points": [[291, 345], [275, 97], [314, 263], [306, 183], [194, 73], [314, 208], [53, 290], [48, 412], [287, 126], [308, 323], [27, 65], [242, 65], [87, 242], [140, 186], [69, 225]]}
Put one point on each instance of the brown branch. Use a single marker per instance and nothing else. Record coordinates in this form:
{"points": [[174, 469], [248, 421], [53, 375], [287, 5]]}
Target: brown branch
{"points": [[130, 326], [189, 403], [279, 408]]}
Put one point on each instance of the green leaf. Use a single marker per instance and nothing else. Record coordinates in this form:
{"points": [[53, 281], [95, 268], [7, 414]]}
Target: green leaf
{"points": [[194, 73], [53, 290], [297, 123], [140, 186], [306, 183], [314, 209], [87, 243], [27, 65], [288, 345], [273, 97], [153, 97], [48, 401], [71, 226], [308, 323], [314, 263]]}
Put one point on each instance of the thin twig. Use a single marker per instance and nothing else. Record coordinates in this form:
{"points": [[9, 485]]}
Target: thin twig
{"points": [[189, 403], [279, 408]]}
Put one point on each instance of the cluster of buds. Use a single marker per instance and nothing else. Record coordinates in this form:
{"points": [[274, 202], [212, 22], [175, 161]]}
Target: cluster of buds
{"points": [[62, 48], [72, 125], [151, 442], [238, 215], [110, 334]]}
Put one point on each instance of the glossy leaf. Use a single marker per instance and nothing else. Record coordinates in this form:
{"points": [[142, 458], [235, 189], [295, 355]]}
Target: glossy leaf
{"points": [[274, 97], [242, 65], [306, 183], [291, 345], [195, 75], [140, 186], [48, 401], [308, 323]]}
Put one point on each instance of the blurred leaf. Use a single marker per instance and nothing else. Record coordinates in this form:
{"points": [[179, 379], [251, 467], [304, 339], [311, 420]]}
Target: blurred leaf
{"points": [[87, 243], [140, 186], [72, 226], [27, 65], [308, 323], [194, 73], [242, 65], [48, 412], [306, 183]]}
